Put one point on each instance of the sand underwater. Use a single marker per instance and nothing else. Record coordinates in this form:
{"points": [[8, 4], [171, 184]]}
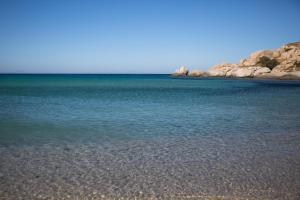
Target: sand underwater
{"points": [[148, 137]]}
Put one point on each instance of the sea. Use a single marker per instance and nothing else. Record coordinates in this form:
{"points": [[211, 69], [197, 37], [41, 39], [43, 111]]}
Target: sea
{"points": [[140, 136]]}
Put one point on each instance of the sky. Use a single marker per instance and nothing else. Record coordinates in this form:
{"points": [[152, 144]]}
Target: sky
{"points": [[139, 36]]}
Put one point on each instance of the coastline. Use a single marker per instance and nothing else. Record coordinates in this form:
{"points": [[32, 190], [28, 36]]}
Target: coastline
{"points": [[282, 63], [271, 78]]}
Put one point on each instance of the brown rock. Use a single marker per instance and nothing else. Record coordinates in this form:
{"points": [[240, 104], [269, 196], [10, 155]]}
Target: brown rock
{"points": [[265, 61], [280, 63], [276, 54], [223, 66], [256, 55], [290, 46], [249, 62]]}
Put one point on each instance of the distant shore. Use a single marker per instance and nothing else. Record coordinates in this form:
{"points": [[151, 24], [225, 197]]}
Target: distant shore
{"points": [[282, 63]]}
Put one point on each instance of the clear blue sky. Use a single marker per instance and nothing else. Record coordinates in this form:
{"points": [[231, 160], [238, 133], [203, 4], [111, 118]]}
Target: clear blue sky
{"points": [[154, 36]]}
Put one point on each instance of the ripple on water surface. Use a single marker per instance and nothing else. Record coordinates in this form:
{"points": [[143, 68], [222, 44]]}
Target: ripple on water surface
{"points": [[255, 167], [148, 137]]}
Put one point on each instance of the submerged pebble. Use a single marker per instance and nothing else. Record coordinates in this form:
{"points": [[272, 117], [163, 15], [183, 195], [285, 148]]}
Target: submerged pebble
{"points": [[186, 171]]}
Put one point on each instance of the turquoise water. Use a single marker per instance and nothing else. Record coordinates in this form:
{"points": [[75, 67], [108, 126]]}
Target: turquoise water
{"points": [[148, 136]]}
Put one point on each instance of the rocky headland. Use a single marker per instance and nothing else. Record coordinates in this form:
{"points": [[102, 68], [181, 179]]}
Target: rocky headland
{"points": [[280, 63]]}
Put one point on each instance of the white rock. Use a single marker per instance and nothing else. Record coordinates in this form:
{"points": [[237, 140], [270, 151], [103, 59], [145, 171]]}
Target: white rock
{"points": [[181, 71], [262, 71], [196, 72], [216, 73], [243, 72]]}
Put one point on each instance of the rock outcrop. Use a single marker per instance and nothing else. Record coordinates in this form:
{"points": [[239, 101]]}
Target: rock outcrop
{"points": [[262, 71], [197, 72], [242, 72], [280, 63], [221, 69], [182, 71]]}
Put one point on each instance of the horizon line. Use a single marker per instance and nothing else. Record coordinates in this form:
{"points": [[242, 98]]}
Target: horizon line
{"points": [[85, 73]]}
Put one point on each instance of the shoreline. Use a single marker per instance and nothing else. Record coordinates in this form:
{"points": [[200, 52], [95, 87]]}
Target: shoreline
{"points": [[237, 78], [282, 63]]}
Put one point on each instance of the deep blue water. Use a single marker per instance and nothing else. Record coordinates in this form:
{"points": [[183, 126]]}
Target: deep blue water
{"points": [[237, 137]]}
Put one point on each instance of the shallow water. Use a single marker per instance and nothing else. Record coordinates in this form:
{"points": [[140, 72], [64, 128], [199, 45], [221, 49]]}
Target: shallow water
{"points": [[148, 136]]}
